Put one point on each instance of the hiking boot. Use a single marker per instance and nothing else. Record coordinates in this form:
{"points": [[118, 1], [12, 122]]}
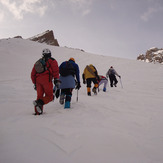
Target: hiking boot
{"points": [[38, 106], [67, 105], [104, 89], [89, 93], [115, 84], [39, 109], [94, 90], [61, 100]]}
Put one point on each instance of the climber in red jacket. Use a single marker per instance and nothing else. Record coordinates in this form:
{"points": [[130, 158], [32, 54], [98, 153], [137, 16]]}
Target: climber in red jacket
{"points": [[43, 81]]}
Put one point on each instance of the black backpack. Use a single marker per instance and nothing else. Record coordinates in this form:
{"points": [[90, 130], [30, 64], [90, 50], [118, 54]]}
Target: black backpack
{"points": [[40, 65], [66, 69]]}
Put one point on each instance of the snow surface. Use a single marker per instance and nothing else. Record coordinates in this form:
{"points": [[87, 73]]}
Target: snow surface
{"points": [[121, 125]]}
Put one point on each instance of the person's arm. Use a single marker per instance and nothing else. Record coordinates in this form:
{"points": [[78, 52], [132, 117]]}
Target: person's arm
{"points": [[55, 69], [117, 74], [77, 73], [33, 75]]}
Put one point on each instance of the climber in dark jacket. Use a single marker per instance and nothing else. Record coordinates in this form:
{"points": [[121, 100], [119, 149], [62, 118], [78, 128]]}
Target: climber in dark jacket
{"points": [[112, 76], [69, 79]]}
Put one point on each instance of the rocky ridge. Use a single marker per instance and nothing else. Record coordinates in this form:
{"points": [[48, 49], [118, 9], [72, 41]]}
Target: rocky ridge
{"points": [[153, 55], [45, 37]]}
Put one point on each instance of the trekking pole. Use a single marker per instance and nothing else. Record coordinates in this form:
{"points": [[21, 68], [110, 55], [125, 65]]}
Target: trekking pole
{"points": [[77, 96], [54, 93], [121, 83]]}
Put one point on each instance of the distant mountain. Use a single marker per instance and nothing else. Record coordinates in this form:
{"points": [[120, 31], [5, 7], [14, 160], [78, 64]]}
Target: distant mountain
{"points": [[48, 38], [154, 55], [45, 37]]}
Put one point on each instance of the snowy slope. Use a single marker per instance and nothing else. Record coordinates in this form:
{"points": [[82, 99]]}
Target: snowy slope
{"points": [[123, 125]]}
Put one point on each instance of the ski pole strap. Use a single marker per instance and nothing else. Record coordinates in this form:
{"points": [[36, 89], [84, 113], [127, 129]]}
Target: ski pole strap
{"points": [[90, 70]]}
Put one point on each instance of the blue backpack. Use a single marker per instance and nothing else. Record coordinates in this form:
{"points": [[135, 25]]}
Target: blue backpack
{"points": [[66, 68]]}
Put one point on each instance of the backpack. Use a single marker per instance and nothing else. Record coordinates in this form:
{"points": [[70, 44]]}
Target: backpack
{"points": [[111, 71], [40, 65], [90, 70], [67, 69]]}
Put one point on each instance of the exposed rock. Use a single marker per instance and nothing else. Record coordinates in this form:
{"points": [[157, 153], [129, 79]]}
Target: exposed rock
{"points": [[18, 37], [141, 57], [75, 48], [152, 55], [46, 37]]}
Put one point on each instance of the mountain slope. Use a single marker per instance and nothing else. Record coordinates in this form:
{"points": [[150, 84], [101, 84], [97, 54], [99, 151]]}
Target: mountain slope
{"points": [[121, 125]]}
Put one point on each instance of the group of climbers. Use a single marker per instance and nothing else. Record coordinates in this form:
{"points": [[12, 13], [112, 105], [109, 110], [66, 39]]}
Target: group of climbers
{"points": [[90, 75], [65, 77]]}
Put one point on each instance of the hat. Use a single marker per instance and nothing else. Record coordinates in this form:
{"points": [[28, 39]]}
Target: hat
{"points": [[72, 59]]}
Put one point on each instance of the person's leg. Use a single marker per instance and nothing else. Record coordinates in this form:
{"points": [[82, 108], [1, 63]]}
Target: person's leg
{"points": [[115, 81], [38, 103], [111, 80], [48, 90], [44, 93], [68, 97], [94, 80], [105, 84], [88, 86]]}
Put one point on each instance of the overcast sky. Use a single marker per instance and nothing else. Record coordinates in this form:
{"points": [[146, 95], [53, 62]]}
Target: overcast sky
{"points": [[120, 28]]}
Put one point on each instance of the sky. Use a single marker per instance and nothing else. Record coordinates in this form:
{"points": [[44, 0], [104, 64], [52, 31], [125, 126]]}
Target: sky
{"points": [[107, 27]]}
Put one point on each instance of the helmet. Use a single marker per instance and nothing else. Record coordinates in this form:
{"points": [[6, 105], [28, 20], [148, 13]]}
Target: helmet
{"points": [[72, 59], [111, 67], [46, 53]]}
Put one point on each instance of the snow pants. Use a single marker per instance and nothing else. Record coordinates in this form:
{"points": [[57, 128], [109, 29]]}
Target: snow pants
{"points": [[103, 81], [113, 80], [89, 81], [44, 89], [68, 93]]}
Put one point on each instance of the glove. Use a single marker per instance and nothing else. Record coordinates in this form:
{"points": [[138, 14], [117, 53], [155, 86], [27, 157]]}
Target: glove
{"points": [[57, 83], [78, 85], [35, 88], [84, 82]]}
